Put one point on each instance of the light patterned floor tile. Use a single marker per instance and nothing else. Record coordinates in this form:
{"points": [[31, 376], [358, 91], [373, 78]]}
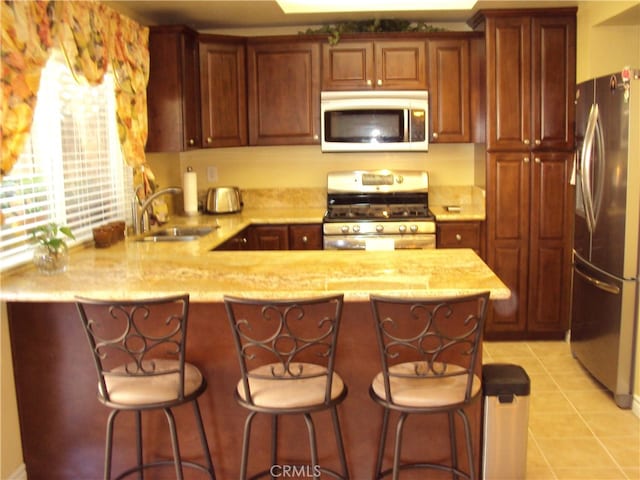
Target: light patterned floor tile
{"points": [[591, 400], [625, 450], [613, 424], [588, 473], [568, 452], [558, 425]]}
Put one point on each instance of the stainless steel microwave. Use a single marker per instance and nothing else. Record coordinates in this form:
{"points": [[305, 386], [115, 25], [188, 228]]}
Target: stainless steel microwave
{"points": [[375, 120]]}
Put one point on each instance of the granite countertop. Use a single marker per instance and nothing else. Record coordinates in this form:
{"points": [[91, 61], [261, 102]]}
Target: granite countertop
{"points": [[134, 269]]}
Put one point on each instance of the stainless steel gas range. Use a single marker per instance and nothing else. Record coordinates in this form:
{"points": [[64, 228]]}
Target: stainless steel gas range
{"points": [[381, 209]]}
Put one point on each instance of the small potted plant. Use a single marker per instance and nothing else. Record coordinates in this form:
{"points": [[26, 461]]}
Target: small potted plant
{"points": [[51, 254]]}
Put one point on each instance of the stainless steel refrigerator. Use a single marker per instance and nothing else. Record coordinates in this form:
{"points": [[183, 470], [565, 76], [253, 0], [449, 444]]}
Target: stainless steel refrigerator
{"points": [[604, 310]]}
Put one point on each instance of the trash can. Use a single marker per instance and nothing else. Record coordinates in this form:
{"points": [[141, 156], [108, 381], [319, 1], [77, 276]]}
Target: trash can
{"points": [[506, 390]]}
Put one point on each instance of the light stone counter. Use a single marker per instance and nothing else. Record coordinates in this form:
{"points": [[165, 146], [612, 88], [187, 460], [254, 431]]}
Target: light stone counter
{"points": [[135, 269]]}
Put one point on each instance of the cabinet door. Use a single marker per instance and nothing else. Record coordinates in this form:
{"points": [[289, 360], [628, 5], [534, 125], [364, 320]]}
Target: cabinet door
{"points": [[347, 66], [550, 248], [508, 188], [553, 73], [508, 44], [173, 105], [268, 237], [305, 237], [449, 90], [400, 65], [223, 94], [459, 235], [284, 93]]}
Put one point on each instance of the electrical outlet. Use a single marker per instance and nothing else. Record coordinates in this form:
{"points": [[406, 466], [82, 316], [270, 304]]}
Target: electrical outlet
{"points": [[212, 174]]}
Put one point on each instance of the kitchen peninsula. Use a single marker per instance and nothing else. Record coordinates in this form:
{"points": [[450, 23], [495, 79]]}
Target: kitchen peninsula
{"points": [[62, 423]]}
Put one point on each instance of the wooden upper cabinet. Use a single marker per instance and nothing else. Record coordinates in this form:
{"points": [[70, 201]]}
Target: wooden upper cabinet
{"points": [[530, 82], [449, 95], [284, 92], [223, 91], [173, 92], [381, 64]]}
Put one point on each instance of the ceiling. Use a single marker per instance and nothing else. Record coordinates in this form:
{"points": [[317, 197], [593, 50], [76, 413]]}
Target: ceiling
{"points": [[224, 14]]}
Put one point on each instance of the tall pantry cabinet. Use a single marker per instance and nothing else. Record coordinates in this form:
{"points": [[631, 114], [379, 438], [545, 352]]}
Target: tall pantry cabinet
{"points": [[530, 87]]}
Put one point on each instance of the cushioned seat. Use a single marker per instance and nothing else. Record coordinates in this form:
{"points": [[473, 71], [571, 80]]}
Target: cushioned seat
{"points": [[429, 351], [138, 348], [286, 351]]}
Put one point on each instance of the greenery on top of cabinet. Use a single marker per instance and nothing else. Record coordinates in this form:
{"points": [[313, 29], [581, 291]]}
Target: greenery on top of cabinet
{"points": [[335, 30]]}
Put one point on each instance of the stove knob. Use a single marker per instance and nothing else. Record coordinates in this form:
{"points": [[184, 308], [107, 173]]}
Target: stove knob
{"points": [[402, 228], [344, 229], [356, 228], [379, 228], [413, 228]]}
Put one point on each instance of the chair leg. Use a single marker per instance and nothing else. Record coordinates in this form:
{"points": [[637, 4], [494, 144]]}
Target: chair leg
{"points": [[398, 448], [383, 440], [312, 444], [203, 440], [246, 436], [467, 434], [453, 443], [139, 455], [174, 443], [339, 442], [274, 439], [109, 444]]}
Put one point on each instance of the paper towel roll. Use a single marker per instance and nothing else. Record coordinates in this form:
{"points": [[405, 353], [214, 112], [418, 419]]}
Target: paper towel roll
{"points": [[190, 192]]}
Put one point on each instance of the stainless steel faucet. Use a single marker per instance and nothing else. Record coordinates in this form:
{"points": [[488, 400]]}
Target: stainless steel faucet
{"points": [[141, 214]]}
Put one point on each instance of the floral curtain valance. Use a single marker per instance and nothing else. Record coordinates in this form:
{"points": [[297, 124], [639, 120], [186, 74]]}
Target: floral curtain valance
{"points": [[92, 37]]}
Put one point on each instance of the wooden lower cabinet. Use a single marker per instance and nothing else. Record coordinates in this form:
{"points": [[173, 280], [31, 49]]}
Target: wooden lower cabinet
{"points": [[529, 216], [277, 237], [460, 235]]}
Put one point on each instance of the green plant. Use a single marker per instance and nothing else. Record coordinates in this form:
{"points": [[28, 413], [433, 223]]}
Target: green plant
{"points": [[48, 236], [335, 30]]}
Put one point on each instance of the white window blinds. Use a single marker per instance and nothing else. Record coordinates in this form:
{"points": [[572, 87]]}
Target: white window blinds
{"points": [[71, 171]]}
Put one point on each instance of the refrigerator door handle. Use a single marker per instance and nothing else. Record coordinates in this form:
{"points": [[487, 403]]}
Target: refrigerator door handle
{"points": [[586, 158], [607, 287], [598, 169]]}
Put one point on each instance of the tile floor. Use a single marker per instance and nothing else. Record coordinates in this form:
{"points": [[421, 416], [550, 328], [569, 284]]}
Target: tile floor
{"points": [[575, 429]]}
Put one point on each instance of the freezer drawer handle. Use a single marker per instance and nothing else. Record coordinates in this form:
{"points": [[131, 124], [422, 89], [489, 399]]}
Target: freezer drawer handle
{"points": [[607, 287]]}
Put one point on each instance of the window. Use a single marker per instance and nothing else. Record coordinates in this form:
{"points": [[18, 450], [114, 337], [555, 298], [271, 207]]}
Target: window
{"points": [[71, 170]]}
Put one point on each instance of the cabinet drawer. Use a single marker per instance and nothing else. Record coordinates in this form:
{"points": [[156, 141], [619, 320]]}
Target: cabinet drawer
{"points": [[458, 235]]}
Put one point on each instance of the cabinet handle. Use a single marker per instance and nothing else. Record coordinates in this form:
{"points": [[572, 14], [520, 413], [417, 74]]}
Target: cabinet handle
{"points": [[526, 159], [435, 135], [538, 142], [458, 237], [526, 141], [209, 139], [305, 239], [536, 159]]}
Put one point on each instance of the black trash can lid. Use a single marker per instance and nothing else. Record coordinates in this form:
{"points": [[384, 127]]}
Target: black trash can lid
{"points": [[505, 379]]}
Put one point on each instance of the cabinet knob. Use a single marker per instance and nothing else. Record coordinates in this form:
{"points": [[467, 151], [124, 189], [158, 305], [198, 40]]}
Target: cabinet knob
{"points": [[536, 159], [458, 237], [305, 239], [192, 141], [209, 139], [369, 82], [526, 159], [434, 135], [316, 137], [379, 82], [526, 141], [538, 142]]}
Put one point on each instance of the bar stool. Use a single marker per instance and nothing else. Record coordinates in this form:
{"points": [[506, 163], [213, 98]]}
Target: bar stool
{"points": [[429, 351], [138, 348], [286, 350]]}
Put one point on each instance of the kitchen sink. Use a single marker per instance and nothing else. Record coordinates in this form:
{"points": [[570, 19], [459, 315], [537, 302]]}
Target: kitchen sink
{"points": [[178, 234]]}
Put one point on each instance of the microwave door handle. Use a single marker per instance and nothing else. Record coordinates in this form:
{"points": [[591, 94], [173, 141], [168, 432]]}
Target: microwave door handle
{"points": [[406, 133]]}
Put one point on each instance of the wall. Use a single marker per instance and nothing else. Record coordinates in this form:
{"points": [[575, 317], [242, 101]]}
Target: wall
{"points": [[609, 39]]}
